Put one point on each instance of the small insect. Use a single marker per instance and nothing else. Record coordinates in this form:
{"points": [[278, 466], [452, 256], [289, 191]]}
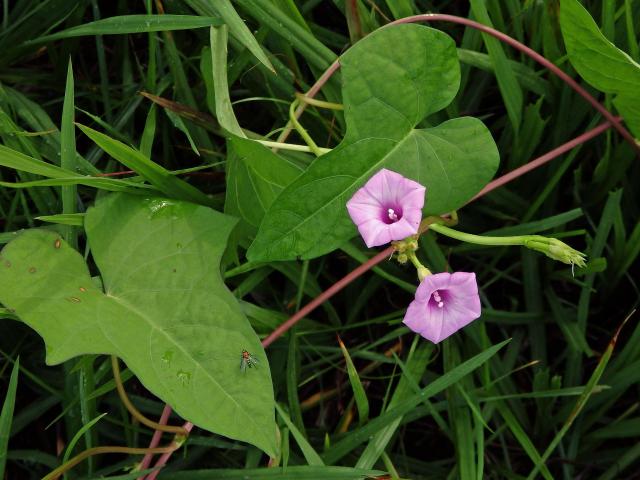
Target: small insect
{"points": [[247, 361]]}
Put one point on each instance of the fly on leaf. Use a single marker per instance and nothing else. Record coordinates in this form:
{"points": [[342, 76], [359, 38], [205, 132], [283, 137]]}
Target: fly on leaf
{"points": [[247, 361]]}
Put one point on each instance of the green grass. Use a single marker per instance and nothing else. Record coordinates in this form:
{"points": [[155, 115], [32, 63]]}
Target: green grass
{"points": [[556, 401]]}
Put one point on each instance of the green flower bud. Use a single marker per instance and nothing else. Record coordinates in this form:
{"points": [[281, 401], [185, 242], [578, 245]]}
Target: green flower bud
{"points": [[556, 249]]}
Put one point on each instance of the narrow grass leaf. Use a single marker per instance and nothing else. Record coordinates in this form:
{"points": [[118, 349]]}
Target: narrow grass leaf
{"points": [[85, 428], [297, 472], [155, 174], [224, 110], [310, 455], [362, 402], [580, 403], [68, 153], [125, 24], [236, 25], [507, 83], [6, 416], [73, 219], [357, 437]]}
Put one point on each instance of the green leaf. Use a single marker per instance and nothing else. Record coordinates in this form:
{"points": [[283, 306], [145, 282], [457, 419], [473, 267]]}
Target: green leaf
{"points": [[602, 64], [629, 108], [255, 177], [132, 24], [164, 310], [59, 176], [360, 396], [310, 455], [6, 416], [294, 472], [597, 60], [155, 174], [224, 110], [74, 219], [238, 29], [453, 160]]}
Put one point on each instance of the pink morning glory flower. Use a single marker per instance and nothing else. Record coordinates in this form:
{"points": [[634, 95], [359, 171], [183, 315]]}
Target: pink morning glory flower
{"points": [[444, 303], [388, 207]]}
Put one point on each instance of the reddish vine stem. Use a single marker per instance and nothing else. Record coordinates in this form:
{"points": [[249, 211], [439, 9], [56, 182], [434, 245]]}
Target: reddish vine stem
{"points": [[155, 439], [503, 37], [162, 461], [538, 162]]}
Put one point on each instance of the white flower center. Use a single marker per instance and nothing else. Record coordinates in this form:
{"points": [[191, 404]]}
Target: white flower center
{"points": [[392, 215], [438, 299]]}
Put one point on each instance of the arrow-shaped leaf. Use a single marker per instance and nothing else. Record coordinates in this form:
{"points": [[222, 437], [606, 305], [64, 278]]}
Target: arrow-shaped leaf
{"points": [[164, 309]]}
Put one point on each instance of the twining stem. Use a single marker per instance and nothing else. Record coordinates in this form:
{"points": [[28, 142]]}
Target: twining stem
{"points": [[55, 474], [135, 413], [300, 129], [318, 103], [291, 146]]}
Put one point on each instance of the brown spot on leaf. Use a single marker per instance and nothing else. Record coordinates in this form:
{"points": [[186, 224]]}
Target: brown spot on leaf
{"points": [[57, 243], [32, 270], [74, 299], [82, 289]]}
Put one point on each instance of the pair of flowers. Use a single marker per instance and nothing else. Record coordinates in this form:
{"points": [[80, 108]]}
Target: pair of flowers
{"points": [[389, 208]]}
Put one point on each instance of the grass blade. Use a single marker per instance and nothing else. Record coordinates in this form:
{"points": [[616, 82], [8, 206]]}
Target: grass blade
{"points": [[236, 25], [155, 174], [7, 415], [128, 24], [581, 402]]}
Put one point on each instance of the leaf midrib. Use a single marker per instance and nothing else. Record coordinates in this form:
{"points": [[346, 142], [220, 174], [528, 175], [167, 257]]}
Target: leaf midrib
{"points": [[152, 324]]}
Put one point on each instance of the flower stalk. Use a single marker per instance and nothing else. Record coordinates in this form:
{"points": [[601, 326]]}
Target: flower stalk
{"points": [[551, 247]]}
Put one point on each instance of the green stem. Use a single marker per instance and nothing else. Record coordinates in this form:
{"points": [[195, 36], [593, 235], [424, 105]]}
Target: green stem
{"points": [[319, 103], [290, 146], [300, 129], [551, 247], [478, 239], [55, 474], [135, 413], [422, 270]]}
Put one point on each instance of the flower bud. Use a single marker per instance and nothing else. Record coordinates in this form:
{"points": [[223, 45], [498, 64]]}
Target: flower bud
{"points": [[556, 249]]}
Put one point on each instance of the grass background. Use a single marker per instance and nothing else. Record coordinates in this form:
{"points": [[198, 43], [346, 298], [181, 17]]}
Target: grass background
{"points": [[491, 424]]}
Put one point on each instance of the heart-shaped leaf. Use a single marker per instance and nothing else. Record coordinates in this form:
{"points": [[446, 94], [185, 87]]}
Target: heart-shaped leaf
{"points": [[164, 309], [392, 80]]}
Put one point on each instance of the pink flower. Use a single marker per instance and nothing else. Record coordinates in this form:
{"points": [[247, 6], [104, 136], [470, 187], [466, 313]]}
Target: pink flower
{"points": [[388, 207], [444, 303]]}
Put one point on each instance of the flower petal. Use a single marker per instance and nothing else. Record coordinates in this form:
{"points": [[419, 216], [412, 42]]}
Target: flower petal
{"points": [[402, 229], [461, 305], [385, 193], [374, 233], [434, 325]]}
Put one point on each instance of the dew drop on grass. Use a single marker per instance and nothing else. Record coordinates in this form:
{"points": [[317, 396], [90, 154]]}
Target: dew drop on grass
{"points": [[184, 377]]}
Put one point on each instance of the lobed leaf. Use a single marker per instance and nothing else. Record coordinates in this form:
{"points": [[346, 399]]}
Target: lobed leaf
{"points": [[164, 310]]}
